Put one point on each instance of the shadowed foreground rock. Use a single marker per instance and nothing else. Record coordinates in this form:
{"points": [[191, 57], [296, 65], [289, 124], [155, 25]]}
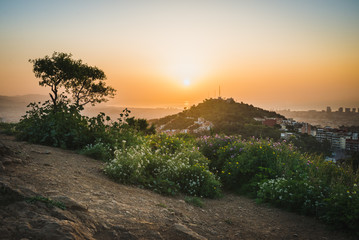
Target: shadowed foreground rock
{"points": [[21, 218]]}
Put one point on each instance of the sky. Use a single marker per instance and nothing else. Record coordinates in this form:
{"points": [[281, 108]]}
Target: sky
{"points": [[272, 54]]}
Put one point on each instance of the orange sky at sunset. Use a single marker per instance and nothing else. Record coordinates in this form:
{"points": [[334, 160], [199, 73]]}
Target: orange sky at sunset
{"points": [[272, 54]]}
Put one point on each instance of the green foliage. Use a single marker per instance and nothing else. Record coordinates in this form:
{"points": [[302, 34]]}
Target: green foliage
{"points": [[195, 201], [64, 128], [341, 208], [98, 150], [141, 125], [181, 122], [209, 147], [276, 172], [260, 131], [67, 128], [162, 205], [7, 128], [352, 162], [255, 162], [165, 164], [299, 195], [85, 83], [309, 144], [228, 117], [49, 203]]}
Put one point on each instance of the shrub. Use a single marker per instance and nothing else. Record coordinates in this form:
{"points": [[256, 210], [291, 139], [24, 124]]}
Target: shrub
{"points": [[98, 150], [7, 128], [67, 128], [277, 173], [49, 202], [341, 208], [300, 195], [209, 147], [165, 164], [245, 163], [62, 128], [195, 201]]}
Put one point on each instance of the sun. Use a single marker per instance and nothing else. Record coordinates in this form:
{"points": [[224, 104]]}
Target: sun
{"points": [[187, 82]]}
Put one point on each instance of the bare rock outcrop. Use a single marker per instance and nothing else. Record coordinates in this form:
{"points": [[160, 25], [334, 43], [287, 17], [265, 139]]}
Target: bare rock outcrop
{"points": [[23, 214]]}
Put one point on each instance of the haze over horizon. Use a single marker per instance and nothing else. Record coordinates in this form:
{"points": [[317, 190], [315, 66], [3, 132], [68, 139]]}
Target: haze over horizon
{"points": [[273, 54]]}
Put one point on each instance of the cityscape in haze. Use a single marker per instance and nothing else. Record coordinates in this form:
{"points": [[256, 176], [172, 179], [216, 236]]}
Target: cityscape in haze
{"points": [[297, 55]]}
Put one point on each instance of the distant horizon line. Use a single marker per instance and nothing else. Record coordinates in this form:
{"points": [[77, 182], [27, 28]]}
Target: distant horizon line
{"points": [[185, 104]]}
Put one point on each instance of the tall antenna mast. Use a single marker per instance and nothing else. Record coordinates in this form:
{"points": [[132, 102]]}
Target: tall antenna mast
{"points": [[219, 91]]}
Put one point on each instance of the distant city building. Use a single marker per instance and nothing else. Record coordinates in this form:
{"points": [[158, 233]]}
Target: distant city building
{"points": [[259, 119], [340, 109], [352, 145], [342, 143], [329, 109], [313, 132], [306, 128], [335, 141], [270, 122]]}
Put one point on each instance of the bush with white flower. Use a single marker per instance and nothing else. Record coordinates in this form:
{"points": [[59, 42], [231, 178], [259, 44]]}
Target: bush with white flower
{"points": [[165, 164]]}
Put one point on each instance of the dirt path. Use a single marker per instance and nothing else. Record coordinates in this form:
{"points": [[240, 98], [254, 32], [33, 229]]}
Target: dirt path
{"points": [[110, 209]]}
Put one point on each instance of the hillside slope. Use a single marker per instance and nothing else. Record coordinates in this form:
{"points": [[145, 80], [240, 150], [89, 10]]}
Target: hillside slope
{"points": [[226, 115], [98, 208]]}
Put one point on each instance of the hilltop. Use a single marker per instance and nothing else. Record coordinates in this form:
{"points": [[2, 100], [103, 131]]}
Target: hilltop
{"points": [[222, 116], [51, 193]]}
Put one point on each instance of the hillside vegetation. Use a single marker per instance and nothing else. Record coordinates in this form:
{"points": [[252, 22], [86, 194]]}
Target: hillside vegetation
{"points": [[50, 193], [266, 169], [227, 116]]}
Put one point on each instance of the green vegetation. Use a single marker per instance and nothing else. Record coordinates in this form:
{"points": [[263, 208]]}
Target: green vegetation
{"points": [[84, 83], [7, 128], [309, 144], [270, 171], [49, 203], [162, 205], [165, 164], [195, 201], [227, 116], [277, 173], [274, 172], [67, 128], [59, 122]]}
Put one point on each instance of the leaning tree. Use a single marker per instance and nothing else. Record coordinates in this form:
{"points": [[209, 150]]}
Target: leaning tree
{"points": [[64, 75]]}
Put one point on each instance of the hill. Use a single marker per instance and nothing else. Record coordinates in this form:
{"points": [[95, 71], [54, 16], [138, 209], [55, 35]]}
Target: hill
{"points": [[222, 116], [13, 107], [51, 193]]}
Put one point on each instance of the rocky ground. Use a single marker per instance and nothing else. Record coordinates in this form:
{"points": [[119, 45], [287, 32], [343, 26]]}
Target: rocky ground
{"points": [[38, 182]]}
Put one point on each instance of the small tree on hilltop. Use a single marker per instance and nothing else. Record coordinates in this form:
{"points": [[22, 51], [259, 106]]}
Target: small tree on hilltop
{"points": [[64, 75]]}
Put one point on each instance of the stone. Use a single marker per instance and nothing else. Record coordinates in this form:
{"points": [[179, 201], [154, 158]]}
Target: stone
{"points": [[188, 232], [69, 203], [2, 167], [6, 161]]}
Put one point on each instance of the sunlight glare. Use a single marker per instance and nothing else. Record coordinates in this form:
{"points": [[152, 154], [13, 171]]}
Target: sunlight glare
{"points": [[187, 82]]}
